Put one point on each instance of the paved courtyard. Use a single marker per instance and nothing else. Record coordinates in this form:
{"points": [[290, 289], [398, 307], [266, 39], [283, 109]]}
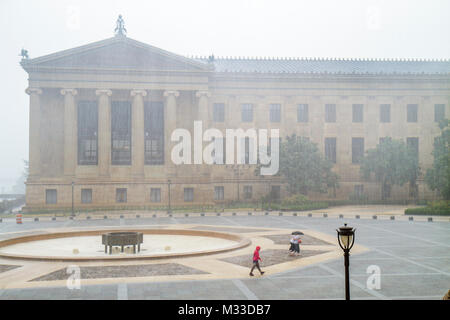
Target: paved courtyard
{"points": [[413, 258]]}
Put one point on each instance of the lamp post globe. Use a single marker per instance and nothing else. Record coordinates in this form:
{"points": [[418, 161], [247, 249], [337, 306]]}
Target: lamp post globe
{"points": [[346, 239]]}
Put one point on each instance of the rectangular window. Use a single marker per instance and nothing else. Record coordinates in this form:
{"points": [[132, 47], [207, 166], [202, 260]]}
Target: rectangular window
{"points": [[385, 113], [330, 113], [359, 190], [247, 112], [439, 112], [121, 195], [302, 113], [411, 112], [218, 193], [50, 196], [120, 133], [358, 113], [219, 112], [155, 195], [188, 194], [413, 144], [219, 154], [86, 195], [87, 132], [248, 192], [357, 150], [275, 112], [330, 149], [275, 192], [154, 133]]}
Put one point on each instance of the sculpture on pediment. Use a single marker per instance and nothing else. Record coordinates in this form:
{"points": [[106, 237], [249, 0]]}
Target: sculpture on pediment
{"points": [[120, 27], [24, 54]]}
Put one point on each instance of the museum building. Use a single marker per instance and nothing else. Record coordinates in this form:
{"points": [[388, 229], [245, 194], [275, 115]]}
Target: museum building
{"points": [[102, 115]]}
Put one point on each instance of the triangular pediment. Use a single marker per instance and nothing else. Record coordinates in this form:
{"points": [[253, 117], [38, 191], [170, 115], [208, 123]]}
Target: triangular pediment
{"points": [[117, 53]]}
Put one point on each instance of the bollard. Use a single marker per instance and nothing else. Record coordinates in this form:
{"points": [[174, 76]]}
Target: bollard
{"points": [[280, 213], [294, 214], [71, 217], [121, 216], [53, 218], [357, 216], [234, 213], [36, 219], [411, 218], [392, 217], [88, 218], [186, 214], [218, 214], [374, 217], [430, 219], [325, 215], [154, 216], [105, 217], [19, 218], [267, 213], [249, 213], [202, 214], [341, 216], [170, 215], [1, 220], [310, 215]]}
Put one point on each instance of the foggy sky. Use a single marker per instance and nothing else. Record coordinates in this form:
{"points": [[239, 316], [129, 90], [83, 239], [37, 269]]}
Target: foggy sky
{"points": [[261, 28]]}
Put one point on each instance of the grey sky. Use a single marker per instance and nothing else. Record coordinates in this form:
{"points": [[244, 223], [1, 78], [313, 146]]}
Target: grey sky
{"points": [[279, 28]]}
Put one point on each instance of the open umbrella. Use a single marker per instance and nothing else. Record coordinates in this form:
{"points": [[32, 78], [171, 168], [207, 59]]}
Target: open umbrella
{"points": [[297, 232]]}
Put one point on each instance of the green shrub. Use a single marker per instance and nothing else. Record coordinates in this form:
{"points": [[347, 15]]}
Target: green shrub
{"points": [[435, 208]]}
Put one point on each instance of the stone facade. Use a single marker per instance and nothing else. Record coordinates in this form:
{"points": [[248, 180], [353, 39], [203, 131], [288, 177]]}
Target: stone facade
{"points": [[122, 69]]}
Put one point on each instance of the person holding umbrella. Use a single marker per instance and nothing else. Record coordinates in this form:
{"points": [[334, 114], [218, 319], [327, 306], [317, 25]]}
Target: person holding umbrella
{"points": [[296, 242], [256, 259]]}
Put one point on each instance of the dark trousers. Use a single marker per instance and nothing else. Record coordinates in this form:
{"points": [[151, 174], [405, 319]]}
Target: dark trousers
{"points": [[256, 264]]}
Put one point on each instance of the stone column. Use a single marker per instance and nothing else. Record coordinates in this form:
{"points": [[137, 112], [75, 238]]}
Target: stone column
{"points": [[104, 131], [203, 107], [137, 131], [170, 123], [70, 132], [35, 126]]}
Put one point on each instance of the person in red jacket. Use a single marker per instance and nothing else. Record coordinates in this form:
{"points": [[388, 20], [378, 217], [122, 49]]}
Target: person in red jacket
{"points": [[256, 259]]}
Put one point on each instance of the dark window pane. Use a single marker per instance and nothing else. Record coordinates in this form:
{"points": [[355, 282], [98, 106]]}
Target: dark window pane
{"points": [[302, 113], [439, 112], [155, 195], [413, 144], [357, 149], [357, 113], [121, 133], [218, 193], [385, 113], [86, 195], [188, 194], [275, 113], [154, 133], [247, 112], [50, 196], [330, 149], [219, 112], [121, 195], [87, 132], [411, 113], [248, 190], [330, 113]]}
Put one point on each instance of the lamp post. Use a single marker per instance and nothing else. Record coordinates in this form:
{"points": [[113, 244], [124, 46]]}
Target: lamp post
{"points": [[73, 183], [346, 239], [168, 187]]}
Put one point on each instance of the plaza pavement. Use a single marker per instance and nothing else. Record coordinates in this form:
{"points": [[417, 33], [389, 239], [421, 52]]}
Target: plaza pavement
{"points": [[412, 256]]}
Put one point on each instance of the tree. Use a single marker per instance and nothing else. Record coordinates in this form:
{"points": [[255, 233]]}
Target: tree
{"points": [[304, 168], [391, 163], [438, 177], [19, 187]]}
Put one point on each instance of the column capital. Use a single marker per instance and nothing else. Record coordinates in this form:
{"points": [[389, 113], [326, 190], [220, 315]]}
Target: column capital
{"points": [[103, 92], [73, 92], [199, 94], [169, 93], [136, 92], [33, 91]]}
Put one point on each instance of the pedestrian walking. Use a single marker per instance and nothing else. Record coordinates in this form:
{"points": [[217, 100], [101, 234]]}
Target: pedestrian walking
{"points": [[292, 247], [297, 242], [256, 259]]}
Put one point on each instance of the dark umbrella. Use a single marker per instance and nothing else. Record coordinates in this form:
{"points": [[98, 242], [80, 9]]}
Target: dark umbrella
{"points": [[297, 232]]}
